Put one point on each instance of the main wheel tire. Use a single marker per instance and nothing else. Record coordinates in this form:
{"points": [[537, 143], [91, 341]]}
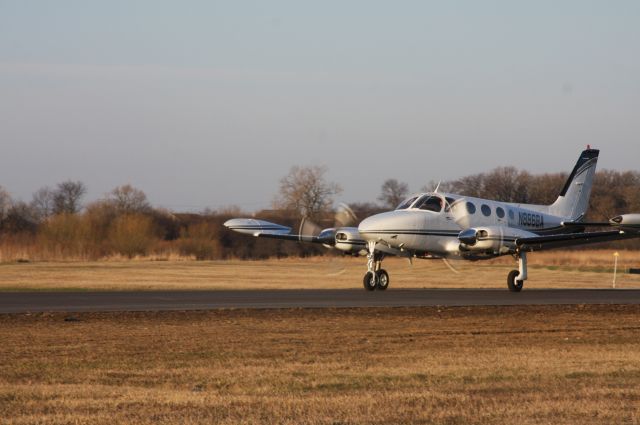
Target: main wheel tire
{"points": [[370, 281], [383, 279], [513, 284]]}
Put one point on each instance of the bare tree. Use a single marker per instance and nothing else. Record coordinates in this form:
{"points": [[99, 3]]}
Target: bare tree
{"points": [[472, 185], [5, 203], [306, 191], [363, 210], [507, 184], [42, 203], [20, 217], [127, 199], [544, 188], [67, 196], [614, 192], [393, 192]]}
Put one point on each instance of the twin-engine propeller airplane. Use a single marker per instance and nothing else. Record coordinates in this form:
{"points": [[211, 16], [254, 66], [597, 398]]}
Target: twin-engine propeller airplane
{"points": [[444, 225]]}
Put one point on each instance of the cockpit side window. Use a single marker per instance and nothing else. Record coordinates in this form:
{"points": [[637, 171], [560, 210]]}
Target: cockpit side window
{"points": [[429, 203], [406, 203]]}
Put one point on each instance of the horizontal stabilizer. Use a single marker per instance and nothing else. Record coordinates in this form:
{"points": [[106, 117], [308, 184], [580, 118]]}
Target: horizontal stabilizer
{"points": [[627, 222], [540, 243], [585, 224]]}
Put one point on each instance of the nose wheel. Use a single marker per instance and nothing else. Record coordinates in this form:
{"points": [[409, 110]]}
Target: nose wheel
{"points": [[376, 277], [370, 281], [383, 280], [376, 280]]}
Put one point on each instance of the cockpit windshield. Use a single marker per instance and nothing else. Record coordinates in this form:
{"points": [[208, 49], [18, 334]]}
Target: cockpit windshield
{"points": [[406, 203], [429, 203]]}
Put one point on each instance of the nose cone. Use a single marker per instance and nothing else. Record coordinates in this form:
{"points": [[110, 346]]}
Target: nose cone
{"points": [[372, 224], [382, 225], [395, 229]]}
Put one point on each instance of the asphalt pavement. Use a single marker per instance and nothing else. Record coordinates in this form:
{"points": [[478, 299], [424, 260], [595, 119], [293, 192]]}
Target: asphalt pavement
{"points": [[23, 302]]}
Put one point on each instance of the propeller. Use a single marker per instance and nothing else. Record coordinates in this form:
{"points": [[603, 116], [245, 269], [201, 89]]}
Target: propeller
{"points": [[345, 217], [309, 230], [461, 212], [450, 266]]}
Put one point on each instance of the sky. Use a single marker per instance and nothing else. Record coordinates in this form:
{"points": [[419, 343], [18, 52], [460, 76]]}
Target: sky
{"points": [[208, 104]]}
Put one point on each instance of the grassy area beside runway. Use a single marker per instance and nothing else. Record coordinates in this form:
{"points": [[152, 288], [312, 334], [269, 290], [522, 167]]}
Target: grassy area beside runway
{"points": [[553, 269], [488, 365]]}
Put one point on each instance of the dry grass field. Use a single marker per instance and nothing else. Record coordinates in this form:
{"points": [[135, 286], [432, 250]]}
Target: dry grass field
{"points": [[496, 365], [553, 269]]}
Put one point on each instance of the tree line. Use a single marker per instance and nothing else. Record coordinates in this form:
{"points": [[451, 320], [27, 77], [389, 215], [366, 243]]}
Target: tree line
{"points": [[57, 225]]}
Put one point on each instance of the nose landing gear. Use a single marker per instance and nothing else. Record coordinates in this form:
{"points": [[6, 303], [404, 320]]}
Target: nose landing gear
{"points": [[376, 280], [376, 277]]}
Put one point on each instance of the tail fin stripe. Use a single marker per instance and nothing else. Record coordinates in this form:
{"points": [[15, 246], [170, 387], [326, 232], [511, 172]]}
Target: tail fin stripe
{"points": [[583, 164]]}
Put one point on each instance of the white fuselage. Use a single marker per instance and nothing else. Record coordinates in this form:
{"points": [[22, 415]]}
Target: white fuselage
{"points": [[432, 223]]}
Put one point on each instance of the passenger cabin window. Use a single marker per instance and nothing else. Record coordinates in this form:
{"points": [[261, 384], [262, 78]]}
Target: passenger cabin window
{"points": [[512, 216], [429, 203], [471, 209], [500, 212], [407, 203], [486, 210]]}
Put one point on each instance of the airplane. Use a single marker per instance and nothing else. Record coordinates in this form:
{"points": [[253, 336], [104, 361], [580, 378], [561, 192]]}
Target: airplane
{"points": [[435, 225]]}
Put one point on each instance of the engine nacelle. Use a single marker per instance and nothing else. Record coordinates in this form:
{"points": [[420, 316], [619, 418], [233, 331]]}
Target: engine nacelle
{"points": [[492, 240], [627, 222], [348, 240]]}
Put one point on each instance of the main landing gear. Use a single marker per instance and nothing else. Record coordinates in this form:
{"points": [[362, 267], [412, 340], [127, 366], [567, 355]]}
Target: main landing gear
{"points": [[516, 278], [376, 277]]}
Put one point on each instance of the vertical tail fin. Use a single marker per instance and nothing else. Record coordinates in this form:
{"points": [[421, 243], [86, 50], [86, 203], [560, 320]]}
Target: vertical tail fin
{"points": [[574, 197]]}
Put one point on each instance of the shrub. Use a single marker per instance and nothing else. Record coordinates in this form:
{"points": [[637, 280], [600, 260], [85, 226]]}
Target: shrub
{"points": [[201, 241], [65, 235], [131, 235]]}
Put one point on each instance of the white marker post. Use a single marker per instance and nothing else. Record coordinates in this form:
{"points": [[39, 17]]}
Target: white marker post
{"points": [[615, 267]]}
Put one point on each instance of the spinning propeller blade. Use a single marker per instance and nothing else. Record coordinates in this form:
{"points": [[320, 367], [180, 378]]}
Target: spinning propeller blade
{"points": [[450, 266], [461, 211], [344, 217], [308, 229]]}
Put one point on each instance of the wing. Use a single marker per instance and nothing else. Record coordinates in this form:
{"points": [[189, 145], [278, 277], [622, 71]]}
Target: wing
{"points": [[266, 229], [539, 243], [352, 243]]}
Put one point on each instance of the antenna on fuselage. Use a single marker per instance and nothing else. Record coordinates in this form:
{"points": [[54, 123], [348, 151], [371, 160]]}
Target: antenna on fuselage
{"points": [[437, 186]]}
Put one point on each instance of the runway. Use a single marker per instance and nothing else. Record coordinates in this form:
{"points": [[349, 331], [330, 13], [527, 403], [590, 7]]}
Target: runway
{"points": [[32, 302]]}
